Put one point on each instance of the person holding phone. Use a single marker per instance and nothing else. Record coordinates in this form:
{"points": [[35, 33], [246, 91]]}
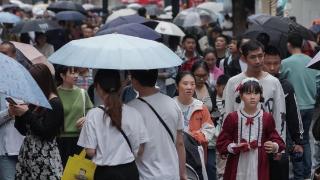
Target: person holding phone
{"points": [[10, 142], [10, 138], [39, 156]]}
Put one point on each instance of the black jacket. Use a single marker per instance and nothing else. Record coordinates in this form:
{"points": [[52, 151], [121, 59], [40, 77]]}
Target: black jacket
{"points": [[233, 68], [293, 118]]}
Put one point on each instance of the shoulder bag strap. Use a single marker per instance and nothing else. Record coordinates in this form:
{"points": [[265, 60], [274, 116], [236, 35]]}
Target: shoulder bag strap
{"points": [[122, 132], [160, 119], [83, 95]]}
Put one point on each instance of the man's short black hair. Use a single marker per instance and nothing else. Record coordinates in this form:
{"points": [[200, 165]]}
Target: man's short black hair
{"points": [[222, 80], [251, 45], [225, 37], [146, 78], [216, 29], [295, 40], [12, 46], [271, 50], [189, 36]]}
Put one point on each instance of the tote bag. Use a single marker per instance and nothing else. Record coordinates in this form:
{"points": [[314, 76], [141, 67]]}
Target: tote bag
{"points": [[79, 168]]}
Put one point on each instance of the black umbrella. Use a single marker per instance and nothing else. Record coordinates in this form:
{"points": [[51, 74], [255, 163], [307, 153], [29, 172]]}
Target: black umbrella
{"points": [[70, 16], [133, 29], [276, 38], [280, 24], [124, 20], [37, 25], [66, 6]]}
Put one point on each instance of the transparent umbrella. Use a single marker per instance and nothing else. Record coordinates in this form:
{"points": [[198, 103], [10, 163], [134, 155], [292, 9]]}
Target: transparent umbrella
{"points": [[194, 17]]}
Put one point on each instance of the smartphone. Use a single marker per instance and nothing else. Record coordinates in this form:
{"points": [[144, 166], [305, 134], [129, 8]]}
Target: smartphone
{"points": [[11, 101]]}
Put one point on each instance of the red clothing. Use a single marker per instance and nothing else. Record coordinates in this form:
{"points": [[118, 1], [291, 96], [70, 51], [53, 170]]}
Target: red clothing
{"points": [[229, 134], [187, 65]]}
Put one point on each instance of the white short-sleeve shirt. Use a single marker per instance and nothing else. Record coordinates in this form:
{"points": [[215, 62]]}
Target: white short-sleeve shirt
{"points": [[110, 145], [160, 158]]}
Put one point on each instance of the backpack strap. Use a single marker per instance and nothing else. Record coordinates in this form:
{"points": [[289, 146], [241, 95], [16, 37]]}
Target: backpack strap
{"points": [[121, 131], [159, 117]]}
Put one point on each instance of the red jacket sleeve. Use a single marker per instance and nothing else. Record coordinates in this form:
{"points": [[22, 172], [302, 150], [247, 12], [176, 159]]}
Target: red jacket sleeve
{"points": [[228, 133]]}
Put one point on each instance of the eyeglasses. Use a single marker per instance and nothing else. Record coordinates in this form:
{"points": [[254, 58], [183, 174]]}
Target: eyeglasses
{"points": [[201, 76]]}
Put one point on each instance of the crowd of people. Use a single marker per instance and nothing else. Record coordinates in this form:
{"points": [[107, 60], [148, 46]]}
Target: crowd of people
{"points": [[247, 109]]}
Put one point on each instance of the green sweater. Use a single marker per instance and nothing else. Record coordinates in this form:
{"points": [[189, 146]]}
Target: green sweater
{"points": [[73, 107], [302, 78]]}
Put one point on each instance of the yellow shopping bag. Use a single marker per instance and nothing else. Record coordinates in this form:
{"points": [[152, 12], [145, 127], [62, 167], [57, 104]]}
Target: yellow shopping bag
{"points": [[79, 168]]}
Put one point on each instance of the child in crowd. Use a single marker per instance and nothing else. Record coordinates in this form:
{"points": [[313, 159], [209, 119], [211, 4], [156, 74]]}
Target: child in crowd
{"points": [[219, 88], [248, 135]]}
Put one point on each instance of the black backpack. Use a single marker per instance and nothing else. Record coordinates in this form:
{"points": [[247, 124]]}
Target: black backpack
{"points": [[192, 154]]}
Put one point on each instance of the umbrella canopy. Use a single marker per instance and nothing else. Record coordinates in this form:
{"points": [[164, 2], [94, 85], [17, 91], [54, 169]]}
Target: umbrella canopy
{"points": [[115, 51], [153, 9], [169, 28], [17, 82], [6, 7], [283, 25], [124, 20], [26, 7], [70, 16], [119, 13], [134, 6], [21, 58], [133, 29], [40, 7], [66, 6], [315, 62], [37, 25], [277, 39], [194, 17], [211, 6], [32, 54], [6, 17], [88, 6]]}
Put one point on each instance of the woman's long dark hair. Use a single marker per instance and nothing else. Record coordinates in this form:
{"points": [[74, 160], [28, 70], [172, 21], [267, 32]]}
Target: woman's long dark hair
{"points": [[109, 82], [43, 77]]}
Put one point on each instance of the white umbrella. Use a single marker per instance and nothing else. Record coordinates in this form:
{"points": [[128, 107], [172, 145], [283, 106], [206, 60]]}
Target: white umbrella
{"points": [[134, 6], [168, 9], [115, 51], [211, 6], [88, 6], [119, 13], [169, 28], [194, 17], [37, 8]]}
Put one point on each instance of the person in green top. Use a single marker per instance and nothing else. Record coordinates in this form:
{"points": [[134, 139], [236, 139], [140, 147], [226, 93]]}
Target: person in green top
{"points": [[304, 81], [76, 103]]}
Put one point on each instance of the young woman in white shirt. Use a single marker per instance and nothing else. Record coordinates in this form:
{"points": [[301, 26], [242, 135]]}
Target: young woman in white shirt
{"points": [[113, 134]]}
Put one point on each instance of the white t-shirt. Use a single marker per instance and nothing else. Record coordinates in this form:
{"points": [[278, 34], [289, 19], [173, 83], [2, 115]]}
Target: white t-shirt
{"points": [[160, 158], [111, 147], [274, 99]]}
